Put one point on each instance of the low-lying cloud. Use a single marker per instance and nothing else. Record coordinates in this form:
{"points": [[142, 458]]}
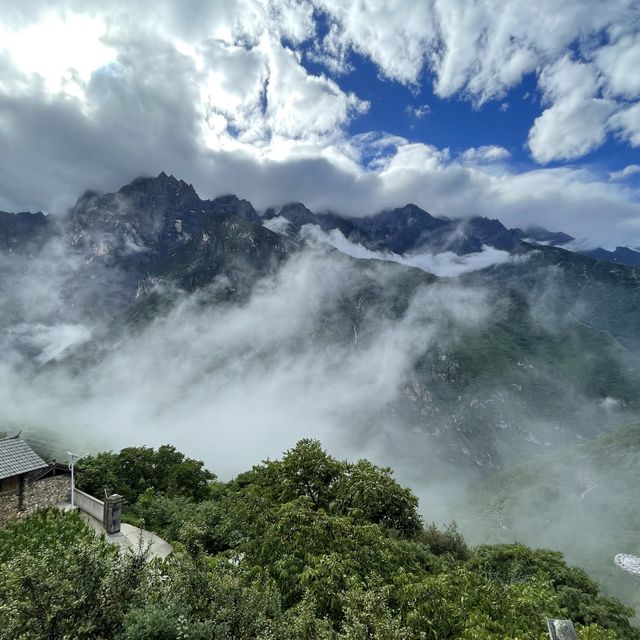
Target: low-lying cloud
{"points": [[445, 264], [232, 384]]}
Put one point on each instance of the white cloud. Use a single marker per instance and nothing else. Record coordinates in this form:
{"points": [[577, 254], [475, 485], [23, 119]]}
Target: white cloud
{"points": [[620, 62], [575, 122], [627, 123], [486, 153], [418, 112], [399, 37], [569, 129], [332, 51], [63, 52], [629, 170], [298, 103], [481, 50], [446, 264]]}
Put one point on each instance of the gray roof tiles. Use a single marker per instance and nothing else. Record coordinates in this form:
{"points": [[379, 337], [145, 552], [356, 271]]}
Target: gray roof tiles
{"points": [[17, 457]]}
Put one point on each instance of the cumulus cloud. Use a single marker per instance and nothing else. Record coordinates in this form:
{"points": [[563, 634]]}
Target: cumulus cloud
{"points": [[575, 122], [485, 153], [619, 62], [627, 122], [399, 37], [479, 52], [478, 49]]}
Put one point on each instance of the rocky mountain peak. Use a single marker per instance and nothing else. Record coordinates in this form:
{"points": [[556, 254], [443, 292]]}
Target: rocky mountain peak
{"points": [[162, 187], [232, 205]]}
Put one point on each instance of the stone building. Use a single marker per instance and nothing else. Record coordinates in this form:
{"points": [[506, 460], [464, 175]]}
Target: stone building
{"points": [[27, 482]]}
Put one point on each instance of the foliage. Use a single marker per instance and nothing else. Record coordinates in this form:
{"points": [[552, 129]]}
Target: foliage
{"points": [[57, 580], [135, 469], [302, 548], [361, 491], [449, 540]]}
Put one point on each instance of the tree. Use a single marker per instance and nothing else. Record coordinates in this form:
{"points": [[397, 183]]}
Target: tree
{"points": [[370, 493], [304, 471], [133, 470], [58, 580]]}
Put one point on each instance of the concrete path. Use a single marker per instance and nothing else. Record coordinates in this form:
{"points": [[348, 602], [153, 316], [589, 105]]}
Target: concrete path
{"points": [[131, 537]]}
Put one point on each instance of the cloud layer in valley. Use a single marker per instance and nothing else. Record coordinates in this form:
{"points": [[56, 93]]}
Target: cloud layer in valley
{"points": [[446, 264], [232, 384]]}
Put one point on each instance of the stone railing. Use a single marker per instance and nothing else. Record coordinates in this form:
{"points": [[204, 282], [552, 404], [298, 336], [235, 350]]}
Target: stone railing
{"points": [[89, 504]]}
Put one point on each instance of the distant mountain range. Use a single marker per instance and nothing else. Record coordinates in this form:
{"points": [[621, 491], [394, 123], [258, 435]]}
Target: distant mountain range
{"points": [[404, 230], [555, 358], [412, 230]]}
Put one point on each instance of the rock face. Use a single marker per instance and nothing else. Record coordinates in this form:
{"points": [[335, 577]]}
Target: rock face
{"points": [[145, 219]]}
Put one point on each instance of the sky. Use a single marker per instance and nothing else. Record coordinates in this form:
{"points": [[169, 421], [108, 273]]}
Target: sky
{"points": [[526, 112]]}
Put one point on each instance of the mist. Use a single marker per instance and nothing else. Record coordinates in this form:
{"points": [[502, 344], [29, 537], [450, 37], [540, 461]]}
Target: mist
{"points": [[444, 264], [232, 384]]}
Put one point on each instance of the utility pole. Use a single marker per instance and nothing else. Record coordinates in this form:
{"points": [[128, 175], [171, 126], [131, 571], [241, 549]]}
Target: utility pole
{"points": [[74, 458]]}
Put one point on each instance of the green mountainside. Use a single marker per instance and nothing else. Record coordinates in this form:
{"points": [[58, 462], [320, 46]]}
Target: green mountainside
{"points": [[581, 499]]}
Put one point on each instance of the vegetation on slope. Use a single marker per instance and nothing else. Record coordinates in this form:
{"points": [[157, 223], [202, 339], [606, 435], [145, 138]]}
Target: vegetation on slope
{"points": [[306, 547], [581, 499]]}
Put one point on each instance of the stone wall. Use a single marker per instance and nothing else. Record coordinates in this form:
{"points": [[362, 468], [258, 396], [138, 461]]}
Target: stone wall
{"points": [[47, 492], [40, 494], [8, 507]]}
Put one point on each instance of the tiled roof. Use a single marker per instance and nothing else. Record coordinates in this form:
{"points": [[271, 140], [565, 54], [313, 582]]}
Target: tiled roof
{"points": [[17, 457]]}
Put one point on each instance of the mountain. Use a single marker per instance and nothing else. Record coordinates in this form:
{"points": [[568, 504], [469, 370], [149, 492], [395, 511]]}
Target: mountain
{"points": [[145, 219], [543, 236], [410, 230], [601, 295], [23, 231], [621, 255], [475, 371], [407, 229]]}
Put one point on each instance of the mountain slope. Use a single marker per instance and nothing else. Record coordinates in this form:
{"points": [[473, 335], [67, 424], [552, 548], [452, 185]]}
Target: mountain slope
{"points": [[580, 499]]}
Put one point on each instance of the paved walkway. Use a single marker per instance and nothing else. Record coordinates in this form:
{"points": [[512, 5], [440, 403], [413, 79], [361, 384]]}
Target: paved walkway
{"points": [[131, 537]]}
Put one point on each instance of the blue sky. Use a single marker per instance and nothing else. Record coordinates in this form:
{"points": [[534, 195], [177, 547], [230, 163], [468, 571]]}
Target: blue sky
{"points": [[453, 123], [456, 122], [530, 114]]}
